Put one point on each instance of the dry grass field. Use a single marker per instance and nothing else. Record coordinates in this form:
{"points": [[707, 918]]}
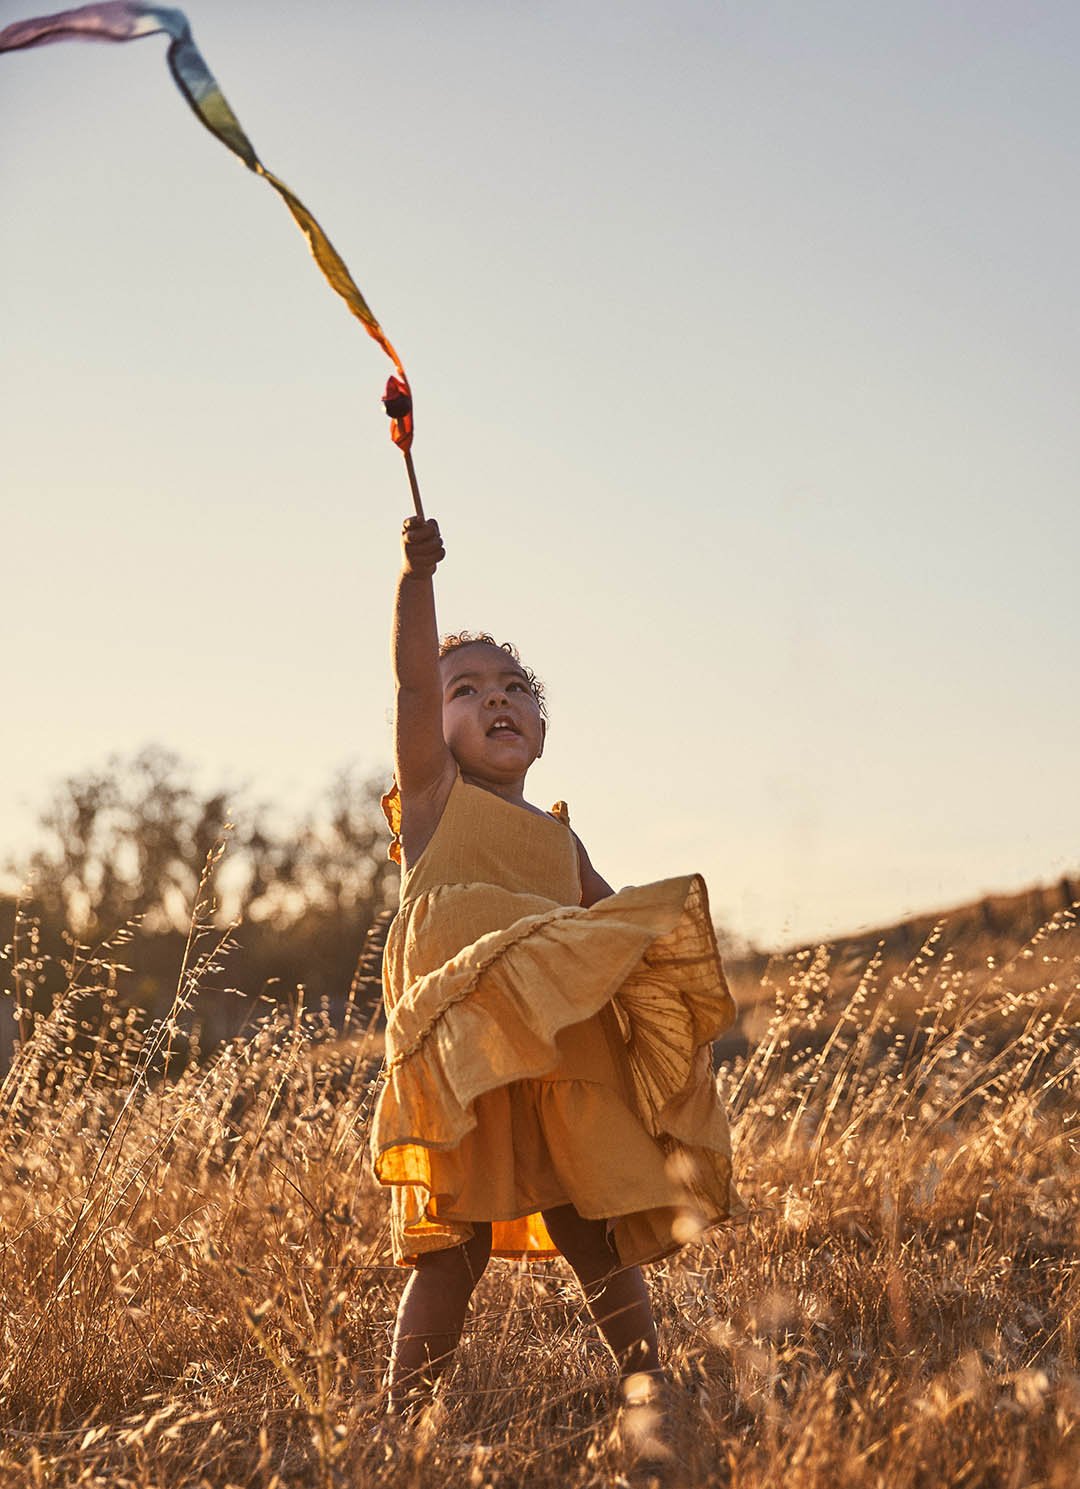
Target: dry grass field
{"points": [[196, 1290]]}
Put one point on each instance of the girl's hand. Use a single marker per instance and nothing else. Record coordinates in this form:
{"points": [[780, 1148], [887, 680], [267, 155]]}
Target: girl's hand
{"points": [[421, 548]]}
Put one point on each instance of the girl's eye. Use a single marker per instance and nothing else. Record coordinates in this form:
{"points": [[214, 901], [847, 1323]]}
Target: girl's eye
{"points": [[519, 685], [461, 690]]}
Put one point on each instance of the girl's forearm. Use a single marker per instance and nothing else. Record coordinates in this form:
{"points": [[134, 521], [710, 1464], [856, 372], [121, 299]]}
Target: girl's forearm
{"points": [[416, 634], [420, 755]]}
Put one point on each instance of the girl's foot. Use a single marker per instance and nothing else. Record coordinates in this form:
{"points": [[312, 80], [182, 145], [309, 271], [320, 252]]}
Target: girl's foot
{"points": [[411, 1429], [642, 1429], [417, 1432]]}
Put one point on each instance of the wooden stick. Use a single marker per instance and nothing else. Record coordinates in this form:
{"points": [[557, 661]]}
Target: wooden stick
{"points": [[414, 484]]}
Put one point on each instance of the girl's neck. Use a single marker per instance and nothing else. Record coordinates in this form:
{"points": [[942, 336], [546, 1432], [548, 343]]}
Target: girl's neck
{"points": [[510, 791]]}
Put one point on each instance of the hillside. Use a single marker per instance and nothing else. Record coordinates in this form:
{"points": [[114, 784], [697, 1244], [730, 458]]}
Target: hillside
{"points": [[982, 935]]}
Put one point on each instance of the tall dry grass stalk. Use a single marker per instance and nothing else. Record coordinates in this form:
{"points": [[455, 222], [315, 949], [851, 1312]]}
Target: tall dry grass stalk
{"points": [[196, 1288]]}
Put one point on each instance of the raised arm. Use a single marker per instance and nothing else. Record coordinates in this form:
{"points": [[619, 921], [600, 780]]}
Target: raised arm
{"points": [[423, 762]]}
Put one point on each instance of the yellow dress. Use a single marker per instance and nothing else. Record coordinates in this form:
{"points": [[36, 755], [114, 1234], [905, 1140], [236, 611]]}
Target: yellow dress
{"points": [[539, 1053]]}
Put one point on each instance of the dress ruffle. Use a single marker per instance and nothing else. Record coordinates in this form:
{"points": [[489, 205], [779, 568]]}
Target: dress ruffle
{"points": [[492, 1015], [390, 801]]}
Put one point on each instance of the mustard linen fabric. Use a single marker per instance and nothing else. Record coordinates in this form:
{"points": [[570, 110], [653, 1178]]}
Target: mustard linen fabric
{"points": [[539, 1053]]}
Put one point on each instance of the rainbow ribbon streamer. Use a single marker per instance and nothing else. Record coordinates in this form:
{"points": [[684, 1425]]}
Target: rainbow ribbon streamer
{"points": [[127, 20]]}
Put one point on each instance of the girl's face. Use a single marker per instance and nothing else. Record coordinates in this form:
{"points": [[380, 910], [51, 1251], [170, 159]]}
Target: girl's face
{"points": [[491, 721]]}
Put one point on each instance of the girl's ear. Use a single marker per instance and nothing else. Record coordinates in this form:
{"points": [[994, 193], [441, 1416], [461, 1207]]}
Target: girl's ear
{"points": [[543, 737]]}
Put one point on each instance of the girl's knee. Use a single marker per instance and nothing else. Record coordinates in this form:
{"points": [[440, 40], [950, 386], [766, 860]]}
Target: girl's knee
{"points": [[478, 1249], [459, 1267], [584, 1243]]}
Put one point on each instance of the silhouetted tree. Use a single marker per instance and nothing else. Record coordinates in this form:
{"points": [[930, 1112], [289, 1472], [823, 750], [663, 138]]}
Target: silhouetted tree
{"points": [[125, 843], [130, 843]]}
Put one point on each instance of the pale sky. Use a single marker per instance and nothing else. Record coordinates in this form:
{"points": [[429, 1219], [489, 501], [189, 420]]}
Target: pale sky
{"points": [[744, 341]]}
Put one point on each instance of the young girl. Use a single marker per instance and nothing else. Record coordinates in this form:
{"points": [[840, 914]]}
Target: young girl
{"points": [[549, 1084]]}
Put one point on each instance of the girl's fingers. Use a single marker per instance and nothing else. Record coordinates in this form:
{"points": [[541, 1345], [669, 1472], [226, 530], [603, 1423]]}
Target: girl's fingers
{"points": [[415, 526], [422, 544]]}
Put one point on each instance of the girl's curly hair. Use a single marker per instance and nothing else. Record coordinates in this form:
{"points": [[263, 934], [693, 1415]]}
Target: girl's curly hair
{"points": [[458, 639]]}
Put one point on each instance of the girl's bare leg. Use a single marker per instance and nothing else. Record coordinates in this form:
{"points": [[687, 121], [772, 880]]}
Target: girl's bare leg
{"points": [[431, 1315], [617, 1296]]}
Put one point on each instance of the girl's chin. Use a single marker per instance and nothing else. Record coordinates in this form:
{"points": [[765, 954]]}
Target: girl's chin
{"points": [[498, 764]]}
